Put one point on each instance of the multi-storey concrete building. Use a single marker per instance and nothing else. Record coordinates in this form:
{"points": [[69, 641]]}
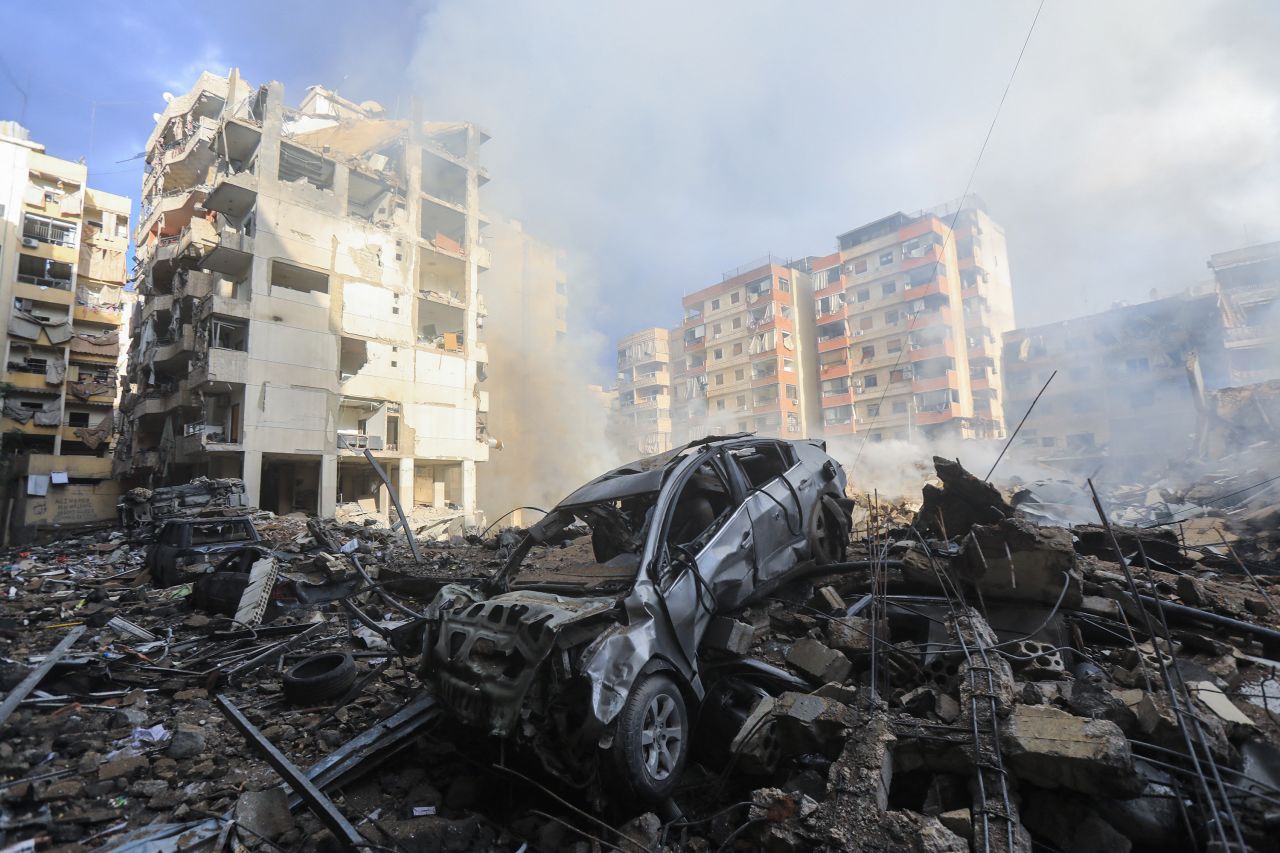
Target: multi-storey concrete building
{"points": [[62, 274], [1248, 284], [527, 298], [644, 391], [1123, 389], [747, 362], [908, 322], [310, 290]]}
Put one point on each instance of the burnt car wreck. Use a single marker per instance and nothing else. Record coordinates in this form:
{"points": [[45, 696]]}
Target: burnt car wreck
{"points": [[586, 645]]}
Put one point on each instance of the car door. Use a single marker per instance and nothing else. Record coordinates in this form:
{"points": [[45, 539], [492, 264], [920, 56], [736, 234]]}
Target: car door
{"points": [[778, 492], [723, 563]]}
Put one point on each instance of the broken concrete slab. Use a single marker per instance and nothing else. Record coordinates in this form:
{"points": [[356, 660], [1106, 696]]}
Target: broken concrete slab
{"points": [[1055, 749], [818, 661]]}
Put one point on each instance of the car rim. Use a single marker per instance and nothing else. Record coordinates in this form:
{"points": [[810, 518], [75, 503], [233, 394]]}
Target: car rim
{"points": [[661, 737]]}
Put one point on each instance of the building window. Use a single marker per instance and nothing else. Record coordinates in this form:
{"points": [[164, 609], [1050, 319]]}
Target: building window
{"points": [[742, 402], [894, 345], [716, 330], [717, 354], [719, 378], [899, 407], [784, 285], [715, 304], [737, 323], [788, 365], [868, 352], [886, 258], [863, 295], [873, 410], [891, 318], [739, 374], [896, 376], [735, 298], [871, 380], [860, 265], [865, 323], [889, 287], [791, 393], [719, 406], [737, 348]]}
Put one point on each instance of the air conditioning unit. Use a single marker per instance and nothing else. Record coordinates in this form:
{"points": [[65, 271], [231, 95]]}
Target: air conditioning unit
{"points": [[857, 383], [857, 333], [30, 242], [859, 390]]}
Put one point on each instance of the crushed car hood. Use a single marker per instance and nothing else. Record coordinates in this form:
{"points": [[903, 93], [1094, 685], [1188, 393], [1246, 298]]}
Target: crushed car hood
{"points": [[482, 654]]}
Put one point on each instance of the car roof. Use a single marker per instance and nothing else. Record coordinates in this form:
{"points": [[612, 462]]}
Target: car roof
{"points": [[645, 475]]}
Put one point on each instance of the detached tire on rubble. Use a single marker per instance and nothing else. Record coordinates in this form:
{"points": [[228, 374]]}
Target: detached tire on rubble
{"points": [[319, 677], [651, 742]]}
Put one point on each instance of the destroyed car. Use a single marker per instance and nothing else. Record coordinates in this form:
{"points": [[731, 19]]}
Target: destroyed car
{"points": [[187, 546], [585, 645]]}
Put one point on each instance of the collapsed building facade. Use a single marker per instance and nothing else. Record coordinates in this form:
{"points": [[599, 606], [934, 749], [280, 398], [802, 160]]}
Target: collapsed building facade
{"points": [[1248, 286], [309, 285], [1130, 381], [62, 276]]}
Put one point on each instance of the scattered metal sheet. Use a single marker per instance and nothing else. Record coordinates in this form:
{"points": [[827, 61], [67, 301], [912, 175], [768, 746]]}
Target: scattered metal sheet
{"points": [[17, 694]]}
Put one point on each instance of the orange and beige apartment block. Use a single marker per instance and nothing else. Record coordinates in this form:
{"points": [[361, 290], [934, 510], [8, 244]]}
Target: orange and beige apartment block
{"points": [[746, 358], [895, 335]]}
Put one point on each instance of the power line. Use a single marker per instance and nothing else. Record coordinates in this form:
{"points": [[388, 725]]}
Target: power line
{"points": [[956, 217]]}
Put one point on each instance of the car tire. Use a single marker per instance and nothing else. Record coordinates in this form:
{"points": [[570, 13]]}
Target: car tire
{"points": [[828, 536], [219, 592], [319, 677], [651, 741]]}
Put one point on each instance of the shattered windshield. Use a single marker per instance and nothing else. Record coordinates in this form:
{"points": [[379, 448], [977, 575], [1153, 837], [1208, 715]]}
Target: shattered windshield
{"points": [[595, 547]]}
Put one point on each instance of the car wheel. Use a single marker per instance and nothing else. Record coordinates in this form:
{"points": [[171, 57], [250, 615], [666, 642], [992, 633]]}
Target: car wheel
{"points": [[828, 537], [651, 743]]}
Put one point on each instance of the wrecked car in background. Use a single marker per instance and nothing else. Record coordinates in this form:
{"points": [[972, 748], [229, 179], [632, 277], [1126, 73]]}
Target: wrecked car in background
{"points": [[185, 546], [585, 644]]}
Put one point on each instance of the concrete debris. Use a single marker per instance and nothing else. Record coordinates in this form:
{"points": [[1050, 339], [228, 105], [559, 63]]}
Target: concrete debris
{"points": [[996, 688]]}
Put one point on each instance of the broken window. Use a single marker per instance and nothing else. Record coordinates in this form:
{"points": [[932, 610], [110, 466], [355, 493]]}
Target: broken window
{"points": [[888, 288], [868, 352], [299, 164], [45, 230], [298, 278], [229, 334], [44, 273], [837, 415], [443, 178], [886, 258]]}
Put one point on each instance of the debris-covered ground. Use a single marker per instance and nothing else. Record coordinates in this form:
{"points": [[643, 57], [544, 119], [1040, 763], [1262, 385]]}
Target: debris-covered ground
{"points": [[991, 669]]}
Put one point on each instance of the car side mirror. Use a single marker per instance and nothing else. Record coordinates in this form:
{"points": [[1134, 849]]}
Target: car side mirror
{"points": [[828, 471]]}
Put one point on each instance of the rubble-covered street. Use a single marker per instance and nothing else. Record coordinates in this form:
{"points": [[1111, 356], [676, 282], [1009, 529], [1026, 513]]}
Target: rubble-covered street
{"points": [[990, 669]]}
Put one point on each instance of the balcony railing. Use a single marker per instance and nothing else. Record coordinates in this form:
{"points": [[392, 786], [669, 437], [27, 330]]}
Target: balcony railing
{"points": [[45, 281], [48, 232]]}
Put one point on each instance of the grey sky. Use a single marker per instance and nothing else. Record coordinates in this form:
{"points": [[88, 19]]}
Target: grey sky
{"points": [[663, 143]]}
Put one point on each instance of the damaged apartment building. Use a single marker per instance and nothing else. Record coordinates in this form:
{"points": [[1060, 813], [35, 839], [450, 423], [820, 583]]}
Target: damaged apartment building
{"points": [[309, 283], [62, 274], [1126, 385]]}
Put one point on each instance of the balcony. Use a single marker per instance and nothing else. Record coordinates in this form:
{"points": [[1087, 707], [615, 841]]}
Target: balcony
{"points": [[221, 365], [934, 383], [938, 414], [30, 379], [198, 439], [834, 371], [222, 306], [833, 343], [90, 309], [54, 291], [183, 160], [945, 348], [1243, 337], [234, 195]]}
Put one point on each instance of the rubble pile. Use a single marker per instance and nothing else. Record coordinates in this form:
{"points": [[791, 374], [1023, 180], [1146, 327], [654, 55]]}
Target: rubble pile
{"points": [[997, 671]]}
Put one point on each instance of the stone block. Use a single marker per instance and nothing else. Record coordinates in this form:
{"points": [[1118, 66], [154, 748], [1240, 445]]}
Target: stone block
{"points": [[820, 662], [1053, 749], [728, 635]]}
